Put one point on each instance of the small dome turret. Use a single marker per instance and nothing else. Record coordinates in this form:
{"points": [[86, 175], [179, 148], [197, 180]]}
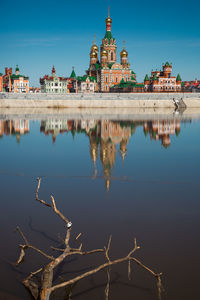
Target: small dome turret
{"points": [[94, 46], [104, 53], [93, 54], [123, 53]]}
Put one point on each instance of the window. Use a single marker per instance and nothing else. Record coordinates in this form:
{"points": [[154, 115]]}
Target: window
{"points": [[111, 55], [116, 79]]}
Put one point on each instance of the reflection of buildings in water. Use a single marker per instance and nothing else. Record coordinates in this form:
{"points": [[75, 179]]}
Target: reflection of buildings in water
{"points": [[113, 133], [14, 127], [104, 134], [54, 127], [162, 129]]}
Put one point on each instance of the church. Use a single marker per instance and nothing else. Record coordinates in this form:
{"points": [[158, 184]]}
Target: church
{"points": [[104, 66]]}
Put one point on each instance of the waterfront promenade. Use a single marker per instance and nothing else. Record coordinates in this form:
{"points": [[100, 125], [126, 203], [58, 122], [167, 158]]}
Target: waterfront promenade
{"points": [[98, 100]]}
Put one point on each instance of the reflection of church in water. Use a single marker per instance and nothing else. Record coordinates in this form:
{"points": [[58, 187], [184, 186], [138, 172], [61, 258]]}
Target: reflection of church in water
{"points": [[14, 127], [105, 136]]}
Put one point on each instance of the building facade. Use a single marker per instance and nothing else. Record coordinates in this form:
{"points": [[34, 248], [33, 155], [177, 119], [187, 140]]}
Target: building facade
{"points": [[19, 83], [162, 81], [104, 65], [87, 84], [15, 83], [54, 84]]}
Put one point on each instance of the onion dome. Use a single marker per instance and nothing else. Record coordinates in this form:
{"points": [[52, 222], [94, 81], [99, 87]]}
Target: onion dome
{"points": [[108, 20], [104, 53], [124, 53], [17, 68], [94, 48], [93, 54]]}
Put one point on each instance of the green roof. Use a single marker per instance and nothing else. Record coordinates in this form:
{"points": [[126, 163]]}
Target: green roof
{"points": [[73, 74], [1, 74], [132, 72], [167, 64], [129, 84], [178, 78], [17, 68], [155, 77], [83, 78], [17, 76], [146, 78], [108, 35]]}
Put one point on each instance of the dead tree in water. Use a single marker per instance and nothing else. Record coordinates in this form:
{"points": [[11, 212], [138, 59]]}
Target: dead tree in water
{"points": [[43, 290]]}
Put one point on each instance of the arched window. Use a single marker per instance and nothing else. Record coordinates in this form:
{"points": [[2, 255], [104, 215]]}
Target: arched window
{"points": [[111, 55]]}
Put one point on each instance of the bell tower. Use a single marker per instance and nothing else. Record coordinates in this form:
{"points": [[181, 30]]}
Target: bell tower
{"points": [[108, 42]]}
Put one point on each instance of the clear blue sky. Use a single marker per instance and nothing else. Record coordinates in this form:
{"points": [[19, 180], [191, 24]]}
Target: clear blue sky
{"points": [[37, 34]]}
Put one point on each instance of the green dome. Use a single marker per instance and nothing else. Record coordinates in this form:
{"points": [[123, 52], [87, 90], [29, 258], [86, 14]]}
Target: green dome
{"points": [[146, 78]]}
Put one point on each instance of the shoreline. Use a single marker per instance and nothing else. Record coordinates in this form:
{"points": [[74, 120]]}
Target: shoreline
{"points": [[109, 100], [99, 113]]}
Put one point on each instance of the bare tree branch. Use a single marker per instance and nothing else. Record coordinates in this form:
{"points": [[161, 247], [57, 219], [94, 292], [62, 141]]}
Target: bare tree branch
{"points": [[47, 286]]}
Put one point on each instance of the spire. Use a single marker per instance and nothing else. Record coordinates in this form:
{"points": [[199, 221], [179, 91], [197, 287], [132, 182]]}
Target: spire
{"points": [[124, 44], [108, 21], [53, 70], [73, 74], [178, 78], [94, 39]]}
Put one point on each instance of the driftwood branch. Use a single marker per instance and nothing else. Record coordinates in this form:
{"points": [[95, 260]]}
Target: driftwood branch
{"points": [[46, 287]]}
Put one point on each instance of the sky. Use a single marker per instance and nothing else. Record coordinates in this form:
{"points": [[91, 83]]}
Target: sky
{"points": [[39, 34]]}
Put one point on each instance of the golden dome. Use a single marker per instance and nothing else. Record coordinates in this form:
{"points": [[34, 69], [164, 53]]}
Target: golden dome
{"points": [[104, 53], [93, 54], [94, 48], [123, 53], [108, 20]]}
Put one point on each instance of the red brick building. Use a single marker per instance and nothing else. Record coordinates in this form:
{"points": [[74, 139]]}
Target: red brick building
{"points": [[162, 81], [16, 83]]}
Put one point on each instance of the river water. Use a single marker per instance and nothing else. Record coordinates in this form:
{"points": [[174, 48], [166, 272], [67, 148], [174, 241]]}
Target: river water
{"points": [[129, 178]]}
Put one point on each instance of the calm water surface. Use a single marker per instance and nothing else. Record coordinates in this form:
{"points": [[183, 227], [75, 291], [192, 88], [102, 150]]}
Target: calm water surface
{"points": [[125, 178]]}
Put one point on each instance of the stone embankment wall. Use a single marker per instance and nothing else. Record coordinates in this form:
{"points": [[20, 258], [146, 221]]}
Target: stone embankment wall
{"points": [[130, 100]]}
